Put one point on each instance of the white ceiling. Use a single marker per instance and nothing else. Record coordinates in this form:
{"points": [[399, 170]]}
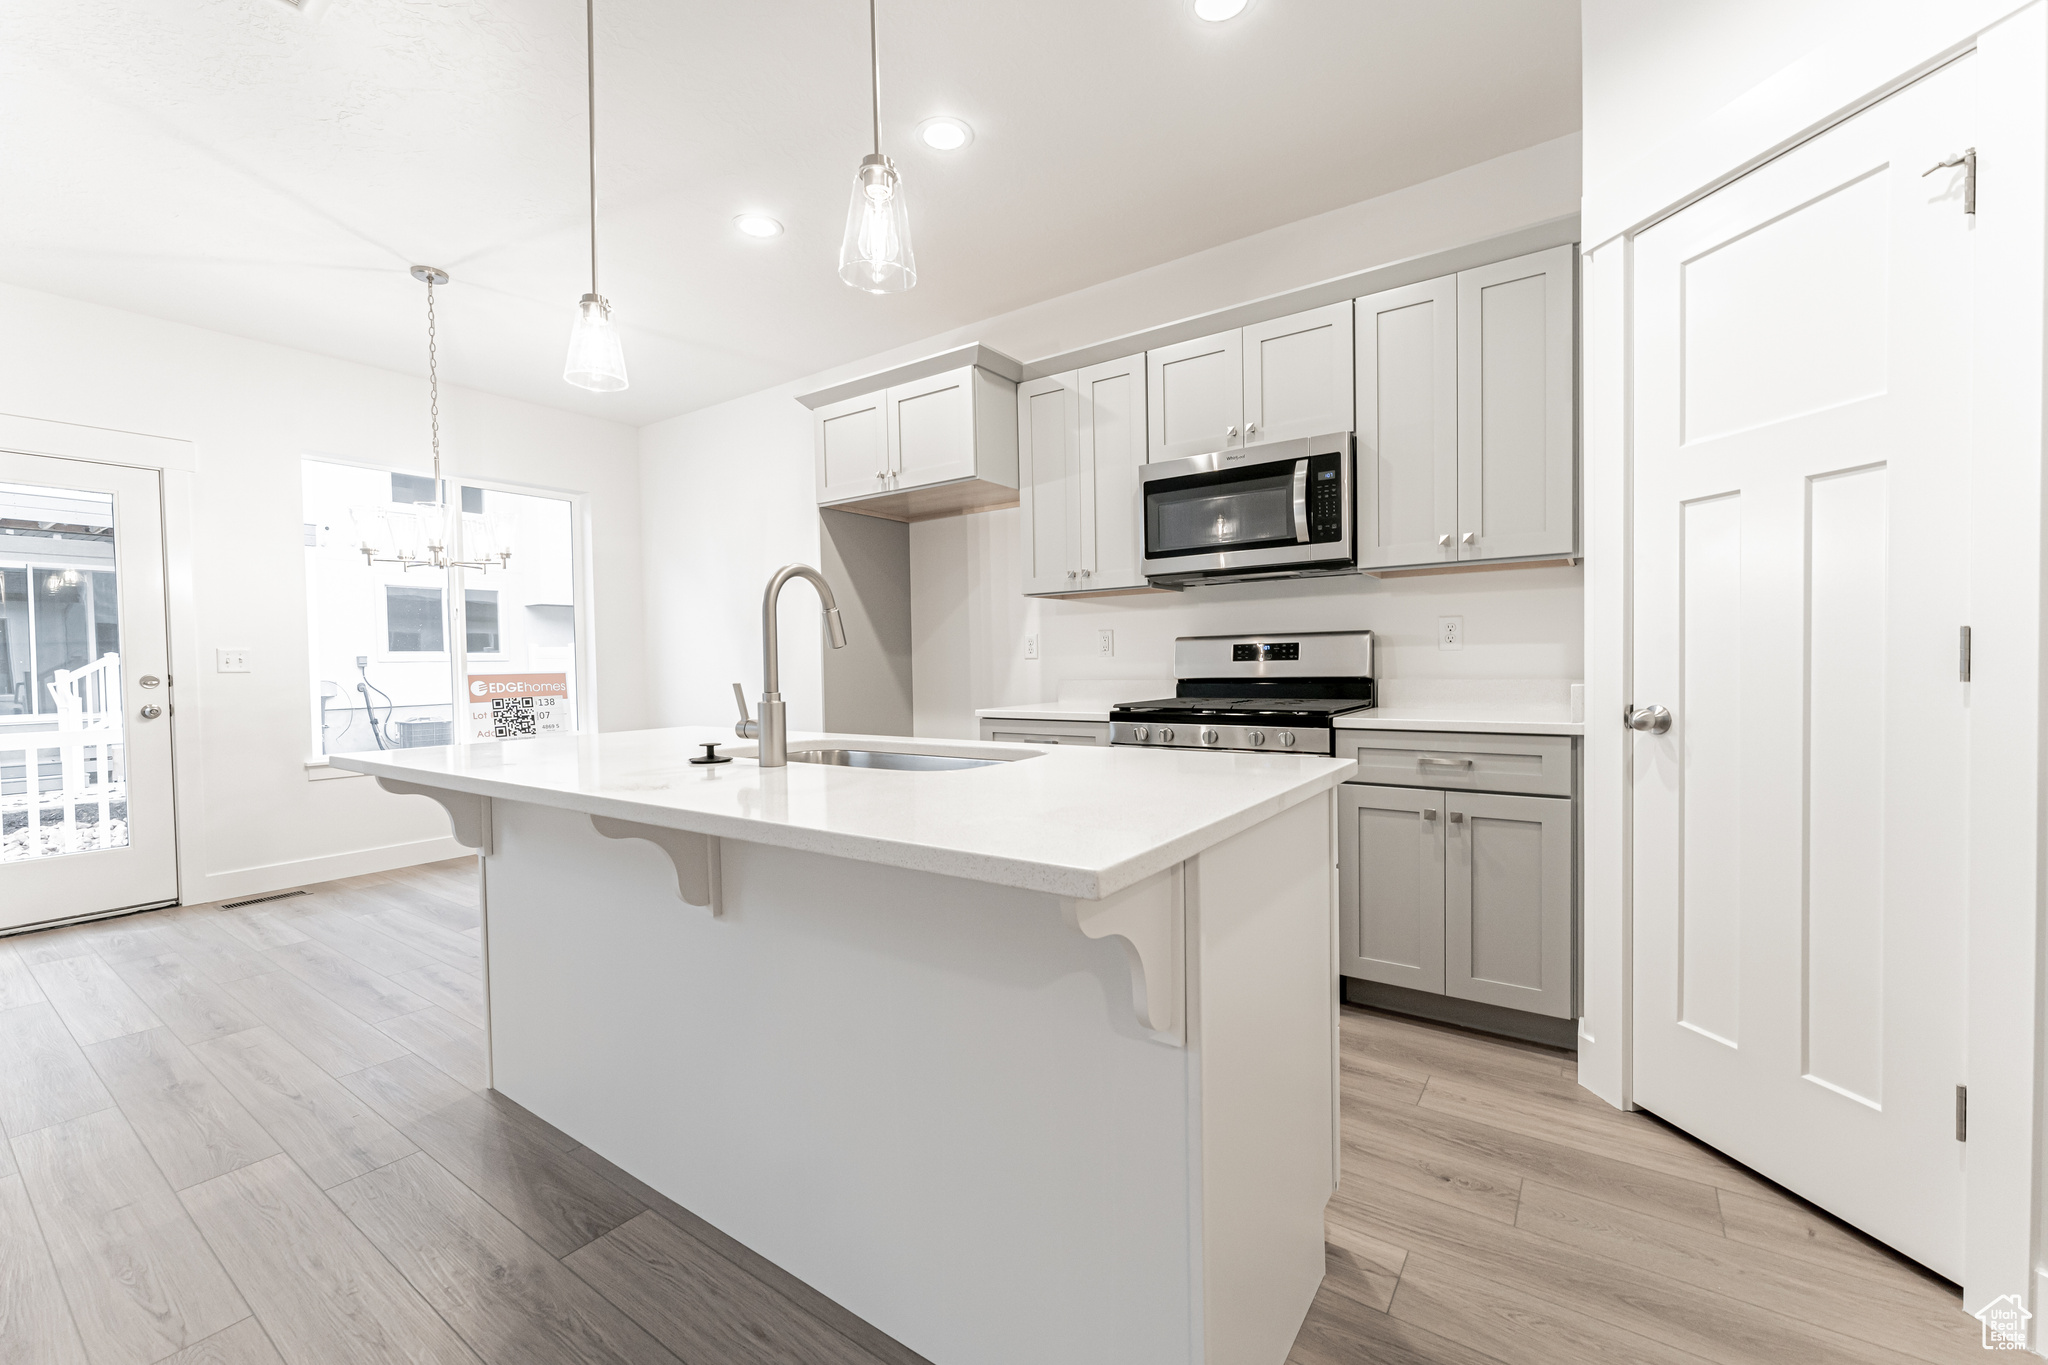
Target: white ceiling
{"points": [[243, 165]]}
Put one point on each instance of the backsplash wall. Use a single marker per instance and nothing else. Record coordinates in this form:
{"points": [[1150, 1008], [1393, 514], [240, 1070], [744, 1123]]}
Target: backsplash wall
{"points": [[969, 621]]}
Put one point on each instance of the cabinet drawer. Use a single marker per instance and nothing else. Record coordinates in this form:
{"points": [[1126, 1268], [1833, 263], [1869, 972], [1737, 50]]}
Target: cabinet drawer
{"points": [[1045, 731], [1529, 765]]}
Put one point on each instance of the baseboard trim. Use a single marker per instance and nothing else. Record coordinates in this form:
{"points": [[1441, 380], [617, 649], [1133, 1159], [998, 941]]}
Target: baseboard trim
{"points": [[268, 877], [1442, 1009]]}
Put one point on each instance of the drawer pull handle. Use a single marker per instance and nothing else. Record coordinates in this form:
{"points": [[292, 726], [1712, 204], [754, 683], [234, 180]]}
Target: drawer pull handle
{"points": [[1427, 762]]}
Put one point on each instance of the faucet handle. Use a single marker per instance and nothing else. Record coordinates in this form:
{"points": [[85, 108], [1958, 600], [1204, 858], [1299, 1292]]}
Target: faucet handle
{"points": [[748, 728]]}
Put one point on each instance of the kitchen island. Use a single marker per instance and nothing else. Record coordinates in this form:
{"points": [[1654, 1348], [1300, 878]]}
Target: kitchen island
{"points": [[1026, 1062]]}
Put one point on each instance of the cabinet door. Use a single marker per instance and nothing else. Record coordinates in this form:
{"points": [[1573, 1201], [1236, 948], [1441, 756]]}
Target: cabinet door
{"points": [[1408, 425], [853, 447], [1111, 414], [1194, 396], [1516, 481], [1048, 483], [1297, 375], [1390, 877], [931, 430], [1508, 911]]}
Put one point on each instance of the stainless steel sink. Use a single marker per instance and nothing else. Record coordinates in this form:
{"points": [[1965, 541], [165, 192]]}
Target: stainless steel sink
{"points": [[882, 758]]}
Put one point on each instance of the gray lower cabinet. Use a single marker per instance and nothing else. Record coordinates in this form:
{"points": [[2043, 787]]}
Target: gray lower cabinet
{"points": [[1507, 936], [1390, 874], [998, 731], [1466, 894]]}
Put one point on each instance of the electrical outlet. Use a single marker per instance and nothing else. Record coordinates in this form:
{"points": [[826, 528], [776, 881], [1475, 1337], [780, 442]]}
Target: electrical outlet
{"points": [[1031, 646], [1450, 632], [231, 660], [1105, 642]]}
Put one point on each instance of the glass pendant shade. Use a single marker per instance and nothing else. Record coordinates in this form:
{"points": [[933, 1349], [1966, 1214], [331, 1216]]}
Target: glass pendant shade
{"points": [[875, 254], [596, 359]]}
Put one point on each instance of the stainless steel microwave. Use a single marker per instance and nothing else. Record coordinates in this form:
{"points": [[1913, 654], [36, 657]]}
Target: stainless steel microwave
{"points": [[1281, 510]]}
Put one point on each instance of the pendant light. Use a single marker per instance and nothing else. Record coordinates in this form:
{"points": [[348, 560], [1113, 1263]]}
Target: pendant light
{"points": [[430, 538], [596, 359], [875, 254]]}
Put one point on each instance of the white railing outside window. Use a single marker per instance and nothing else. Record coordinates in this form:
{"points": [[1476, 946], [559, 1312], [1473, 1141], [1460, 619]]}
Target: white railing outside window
{"points": [[53, 768]]}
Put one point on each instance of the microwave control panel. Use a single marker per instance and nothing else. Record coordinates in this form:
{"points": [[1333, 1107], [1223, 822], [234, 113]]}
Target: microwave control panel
{"points": [[1325, 497]]}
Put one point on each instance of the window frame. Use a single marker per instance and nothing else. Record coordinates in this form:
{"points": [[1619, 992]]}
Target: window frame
{"points": [[455, 584]]}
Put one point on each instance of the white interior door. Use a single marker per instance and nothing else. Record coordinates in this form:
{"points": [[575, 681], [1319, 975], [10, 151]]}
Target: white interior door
{"points": [[1801, 452], [86, 820]]}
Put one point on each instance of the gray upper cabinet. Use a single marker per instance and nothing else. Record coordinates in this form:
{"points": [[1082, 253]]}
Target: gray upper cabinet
{"points": [[1081, 442], [1272, 381], [1390, 861], [1508, 901], [1466, 416], [1516, 423], [853, 447], [928, 447], [1297, 375], [1194, 393], [1408, 425], [1048, 482]]}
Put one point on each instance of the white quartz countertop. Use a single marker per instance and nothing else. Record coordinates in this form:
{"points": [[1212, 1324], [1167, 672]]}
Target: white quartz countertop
{"points": [[1077, 821], [1478, 718]]}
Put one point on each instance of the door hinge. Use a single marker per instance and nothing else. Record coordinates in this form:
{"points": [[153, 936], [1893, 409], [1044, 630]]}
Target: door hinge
{"points": [[1963, 656], [1962, 1113], [1968, 161]]}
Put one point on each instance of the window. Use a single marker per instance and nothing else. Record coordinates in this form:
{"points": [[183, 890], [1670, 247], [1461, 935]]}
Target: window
{"points": [[481, 613], [412, 620], [397, 650]]}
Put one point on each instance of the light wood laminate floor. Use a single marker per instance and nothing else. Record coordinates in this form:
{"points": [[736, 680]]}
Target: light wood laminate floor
{"points": [[261, 1136]]}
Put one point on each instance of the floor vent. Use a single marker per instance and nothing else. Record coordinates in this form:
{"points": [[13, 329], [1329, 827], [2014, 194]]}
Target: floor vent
{"points": [[258, 900]]}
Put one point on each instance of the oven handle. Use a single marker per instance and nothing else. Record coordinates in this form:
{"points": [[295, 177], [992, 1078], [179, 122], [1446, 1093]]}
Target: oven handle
{"points": [[1301, 502]]}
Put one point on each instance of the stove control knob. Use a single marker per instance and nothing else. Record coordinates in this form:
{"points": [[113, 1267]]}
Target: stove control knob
{"points": [[1138, 732], [1166, 734], [1287, 739], [1257, 737], [1209, 736]]}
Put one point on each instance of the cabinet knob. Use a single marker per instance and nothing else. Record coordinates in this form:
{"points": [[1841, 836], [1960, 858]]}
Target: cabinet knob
{"points": [[1469, 538], [1251, 429], [1457, 817], [1230, 431], [1072, 574], [1648, 720], [1428, 813], [1444, 539], [1087, 573]]}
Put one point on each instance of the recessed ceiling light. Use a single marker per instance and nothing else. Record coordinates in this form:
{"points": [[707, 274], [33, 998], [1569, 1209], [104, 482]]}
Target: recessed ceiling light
{"points": [[757, 225], [1216, 11], [945, 134]]}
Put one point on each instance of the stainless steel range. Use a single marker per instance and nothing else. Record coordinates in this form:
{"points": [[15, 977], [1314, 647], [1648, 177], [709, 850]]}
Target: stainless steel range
{"points": [[1253, 693]]}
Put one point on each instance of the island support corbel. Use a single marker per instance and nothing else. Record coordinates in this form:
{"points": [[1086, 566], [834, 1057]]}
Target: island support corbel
{"points": [[1151, 918]]}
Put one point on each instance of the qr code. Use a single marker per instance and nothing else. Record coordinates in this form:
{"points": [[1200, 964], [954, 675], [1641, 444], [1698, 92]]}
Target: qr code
{"points": [[512, 716]]}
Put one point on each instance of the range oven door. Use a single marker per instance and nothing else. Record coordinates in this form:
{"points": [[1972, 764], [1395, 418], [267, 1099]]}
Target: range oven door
{"points": [[1273, 511]]}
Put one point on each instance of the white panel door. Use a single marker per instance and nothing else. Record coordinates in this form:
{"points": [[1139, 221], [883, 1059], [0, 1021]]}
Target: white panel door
{"points": [[931, 430], [1517, 392], [1802, 398], [1297, 375], [1111, 420], [1408, 425], [853, 447], [86, 817], [1048, 484], [1390, 874], [1194, 396]]}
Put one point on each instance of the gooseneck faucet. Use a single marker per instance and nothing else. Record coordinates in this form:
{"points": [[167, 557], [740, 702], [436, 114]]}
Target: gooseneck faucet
{"points": [[773, 727]]}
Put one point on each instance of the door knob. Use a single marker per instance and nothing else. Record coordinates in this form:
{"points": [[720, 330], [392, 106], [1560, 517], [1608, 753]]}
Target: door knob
{"points": [[152, 711], [1647, 720]]}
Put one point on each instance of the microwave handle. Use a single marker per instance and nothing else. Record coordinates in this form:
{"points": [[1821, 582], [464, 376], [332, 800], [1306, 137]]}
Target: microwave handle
{"points": [[1301, 502]]}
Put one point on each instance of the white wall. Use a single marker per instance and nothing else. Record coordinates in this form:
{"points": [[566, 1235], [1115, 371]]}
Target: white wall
{"points": [[732, 487], [252, 820]]}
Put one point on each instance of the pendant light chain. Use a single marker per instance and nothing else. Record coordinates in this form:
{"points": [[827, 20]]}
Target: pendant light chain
{"points": [[590, 91]]}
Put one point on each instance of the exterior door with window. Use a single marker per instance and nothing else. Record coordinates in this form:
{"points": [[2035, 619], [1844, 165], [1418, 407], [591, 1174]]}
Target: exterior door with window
{"points": [[87, 823]]}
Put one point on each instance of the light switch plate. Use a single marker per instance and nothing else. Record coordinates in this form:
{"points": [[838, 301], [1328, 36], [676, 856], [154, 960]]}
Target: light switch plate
{"points": [[1105, 642], [1450, 632], [231, 660]]}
